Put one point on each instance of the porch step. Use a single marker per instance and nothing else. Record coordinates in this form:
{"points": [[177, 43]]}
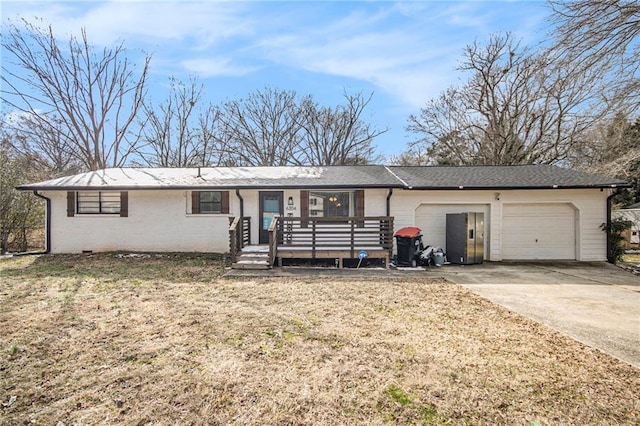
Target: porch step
{"points": [[243, 264], [259, 249], [253, 257]]}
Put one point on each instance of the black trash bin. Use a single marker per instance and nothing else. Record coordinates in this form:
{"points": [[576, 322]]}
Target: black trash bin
{"points": [[409, 245]]}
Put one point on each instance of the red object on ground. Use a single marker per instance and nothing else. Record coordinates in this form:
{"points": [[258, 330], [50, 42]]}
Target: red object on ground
{"points": [[408, 232]]}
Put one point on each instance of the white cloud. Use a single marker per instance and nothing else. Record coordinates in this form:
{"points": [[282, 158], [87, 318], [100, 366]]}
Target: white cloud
{"points": [[16, 118], [410, 62], [408, 50], [204, 23], [213, 67]]}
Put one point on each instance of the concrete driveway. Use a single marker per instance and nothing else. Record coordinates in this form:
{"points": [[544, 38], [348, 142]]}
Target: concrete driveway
{"points": [[595, 303]]}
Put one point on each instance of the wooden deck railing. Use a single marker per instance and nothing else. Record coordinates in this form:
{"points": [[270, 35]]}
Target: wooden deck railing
{"points": [[339, 238], [334, 237], [239, 235], [273, 240]]}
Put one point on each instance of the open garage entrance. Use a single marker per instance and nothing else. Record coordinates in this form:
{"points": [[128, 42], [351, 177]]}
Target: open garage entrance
{"points": [[432, 219]]}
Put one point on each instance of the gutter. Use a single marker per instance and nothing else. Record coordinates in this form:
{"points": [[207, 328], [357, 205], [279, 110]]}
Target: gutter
{"points": [[401, 184], [47, 225], [389, 194], [202, 187], [514, 187]]}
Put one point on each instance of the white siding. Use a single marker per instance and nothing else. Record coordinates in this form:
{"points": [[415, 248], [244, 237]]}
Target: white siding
{"points": [[431, 218], [251, 205], [589, 205], [375, 202]]}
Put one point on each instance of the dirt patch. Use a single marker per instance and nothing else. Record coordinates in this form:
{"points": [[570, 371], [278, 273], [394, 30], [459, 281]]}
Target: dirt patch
{"points": [[163, 340]]}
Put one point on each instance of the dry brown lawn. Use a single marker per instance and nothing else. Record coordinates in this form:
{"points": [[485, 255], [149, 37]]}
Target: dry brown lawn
{"points": [[164, 340]]}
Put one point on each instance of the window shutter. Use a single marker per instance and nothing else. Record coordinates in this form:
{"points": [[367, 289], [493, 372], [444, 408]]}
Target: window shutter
{"points": [[304, 208], [360, 203], [195, 202], [224, 195], [124, 204], [71, 204], [360, 206]]}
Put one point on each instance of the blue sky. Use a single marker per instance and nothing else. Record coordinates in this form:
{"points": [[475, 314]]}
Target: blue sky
{"points": [[405, 53]]}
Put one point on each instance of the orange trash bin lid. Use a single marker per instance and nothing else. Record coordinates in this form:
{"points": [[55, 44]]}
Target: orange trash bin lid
{"points": [[408, 232]]}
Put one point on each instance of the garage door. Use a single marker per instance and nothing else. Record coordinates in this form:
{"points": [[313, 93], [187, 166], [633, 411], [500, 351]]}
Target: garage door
{"points": [[432, 219], [538, 231]]}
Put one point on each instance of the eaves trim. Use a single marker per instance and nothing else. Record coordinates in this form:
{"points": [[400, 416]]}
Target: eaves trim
{"points": [[199, 187], [507, 187]]}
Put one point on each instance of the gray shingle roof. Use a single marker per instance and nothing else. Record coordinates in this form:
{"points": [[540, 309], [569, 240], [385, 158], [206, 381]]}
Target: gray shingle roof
{"points": [[500, 177], [438, 177]]}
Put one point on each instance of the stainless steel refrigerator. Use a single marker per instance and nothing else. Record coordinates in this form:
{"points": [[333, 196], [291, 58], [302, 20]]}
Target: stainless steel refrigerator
{"points": [[465, 238]]}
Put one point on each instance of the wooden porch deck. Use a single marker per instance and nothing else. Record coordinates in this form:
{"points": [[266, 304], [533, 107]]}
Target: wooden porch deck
{"points": [[316, 238]]}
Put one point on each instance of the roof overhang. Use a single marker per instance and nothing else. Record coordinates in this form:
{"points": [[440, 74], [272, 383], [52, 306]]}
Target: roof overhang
{"points": [[507, 187], [198, 187]]}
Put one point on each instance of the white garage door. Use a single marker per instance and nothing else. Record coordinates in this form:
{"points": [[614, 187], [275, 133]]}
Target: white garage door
{"points": [[538, 231], [432, 219]]}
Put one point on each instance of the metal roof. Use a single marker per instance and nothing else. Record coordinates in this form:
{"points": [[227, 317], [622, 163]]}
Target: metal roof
{"points": [[417, 177], [226, 177]]}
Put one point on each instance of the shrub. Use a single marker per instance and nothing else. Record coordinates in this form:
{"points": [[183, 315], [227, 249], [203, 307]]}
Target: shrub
{"points": [[615, 230]]}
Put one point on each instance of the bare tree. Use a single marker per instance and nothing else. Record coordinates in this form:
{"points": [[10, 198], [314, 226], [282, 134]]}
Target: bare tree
{"points": [[411, 157], [180, 132], [169, 131], [601, 37], [612, 148], [90, 97], [264, 128], [518, 107], [337, 136], [604, 142], [20, 212], [215, 145], [269, 127], [48, 147]]}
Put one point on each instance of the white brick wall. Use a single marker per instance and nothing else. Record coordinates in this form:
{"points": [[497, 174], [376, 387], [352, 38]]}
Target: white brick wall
{"points": [[159, 219]]}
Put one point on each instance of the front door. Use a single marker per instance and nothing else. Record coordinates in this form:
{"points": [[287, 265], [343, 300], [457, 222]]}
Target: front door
{"points": [[271, 204]]}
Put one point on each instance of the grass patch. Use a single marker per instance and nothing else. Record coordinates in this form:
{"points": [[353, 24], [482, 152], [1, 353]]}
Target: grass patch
{"points": [[164, 340], [398, 395], [631, 258]]}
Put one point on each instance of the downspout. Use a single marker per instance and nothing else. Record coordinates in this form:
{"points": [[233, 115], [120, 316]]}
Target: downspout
{"points": [[389, 194], [241, 202], [240, 235], [47, 222]]}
